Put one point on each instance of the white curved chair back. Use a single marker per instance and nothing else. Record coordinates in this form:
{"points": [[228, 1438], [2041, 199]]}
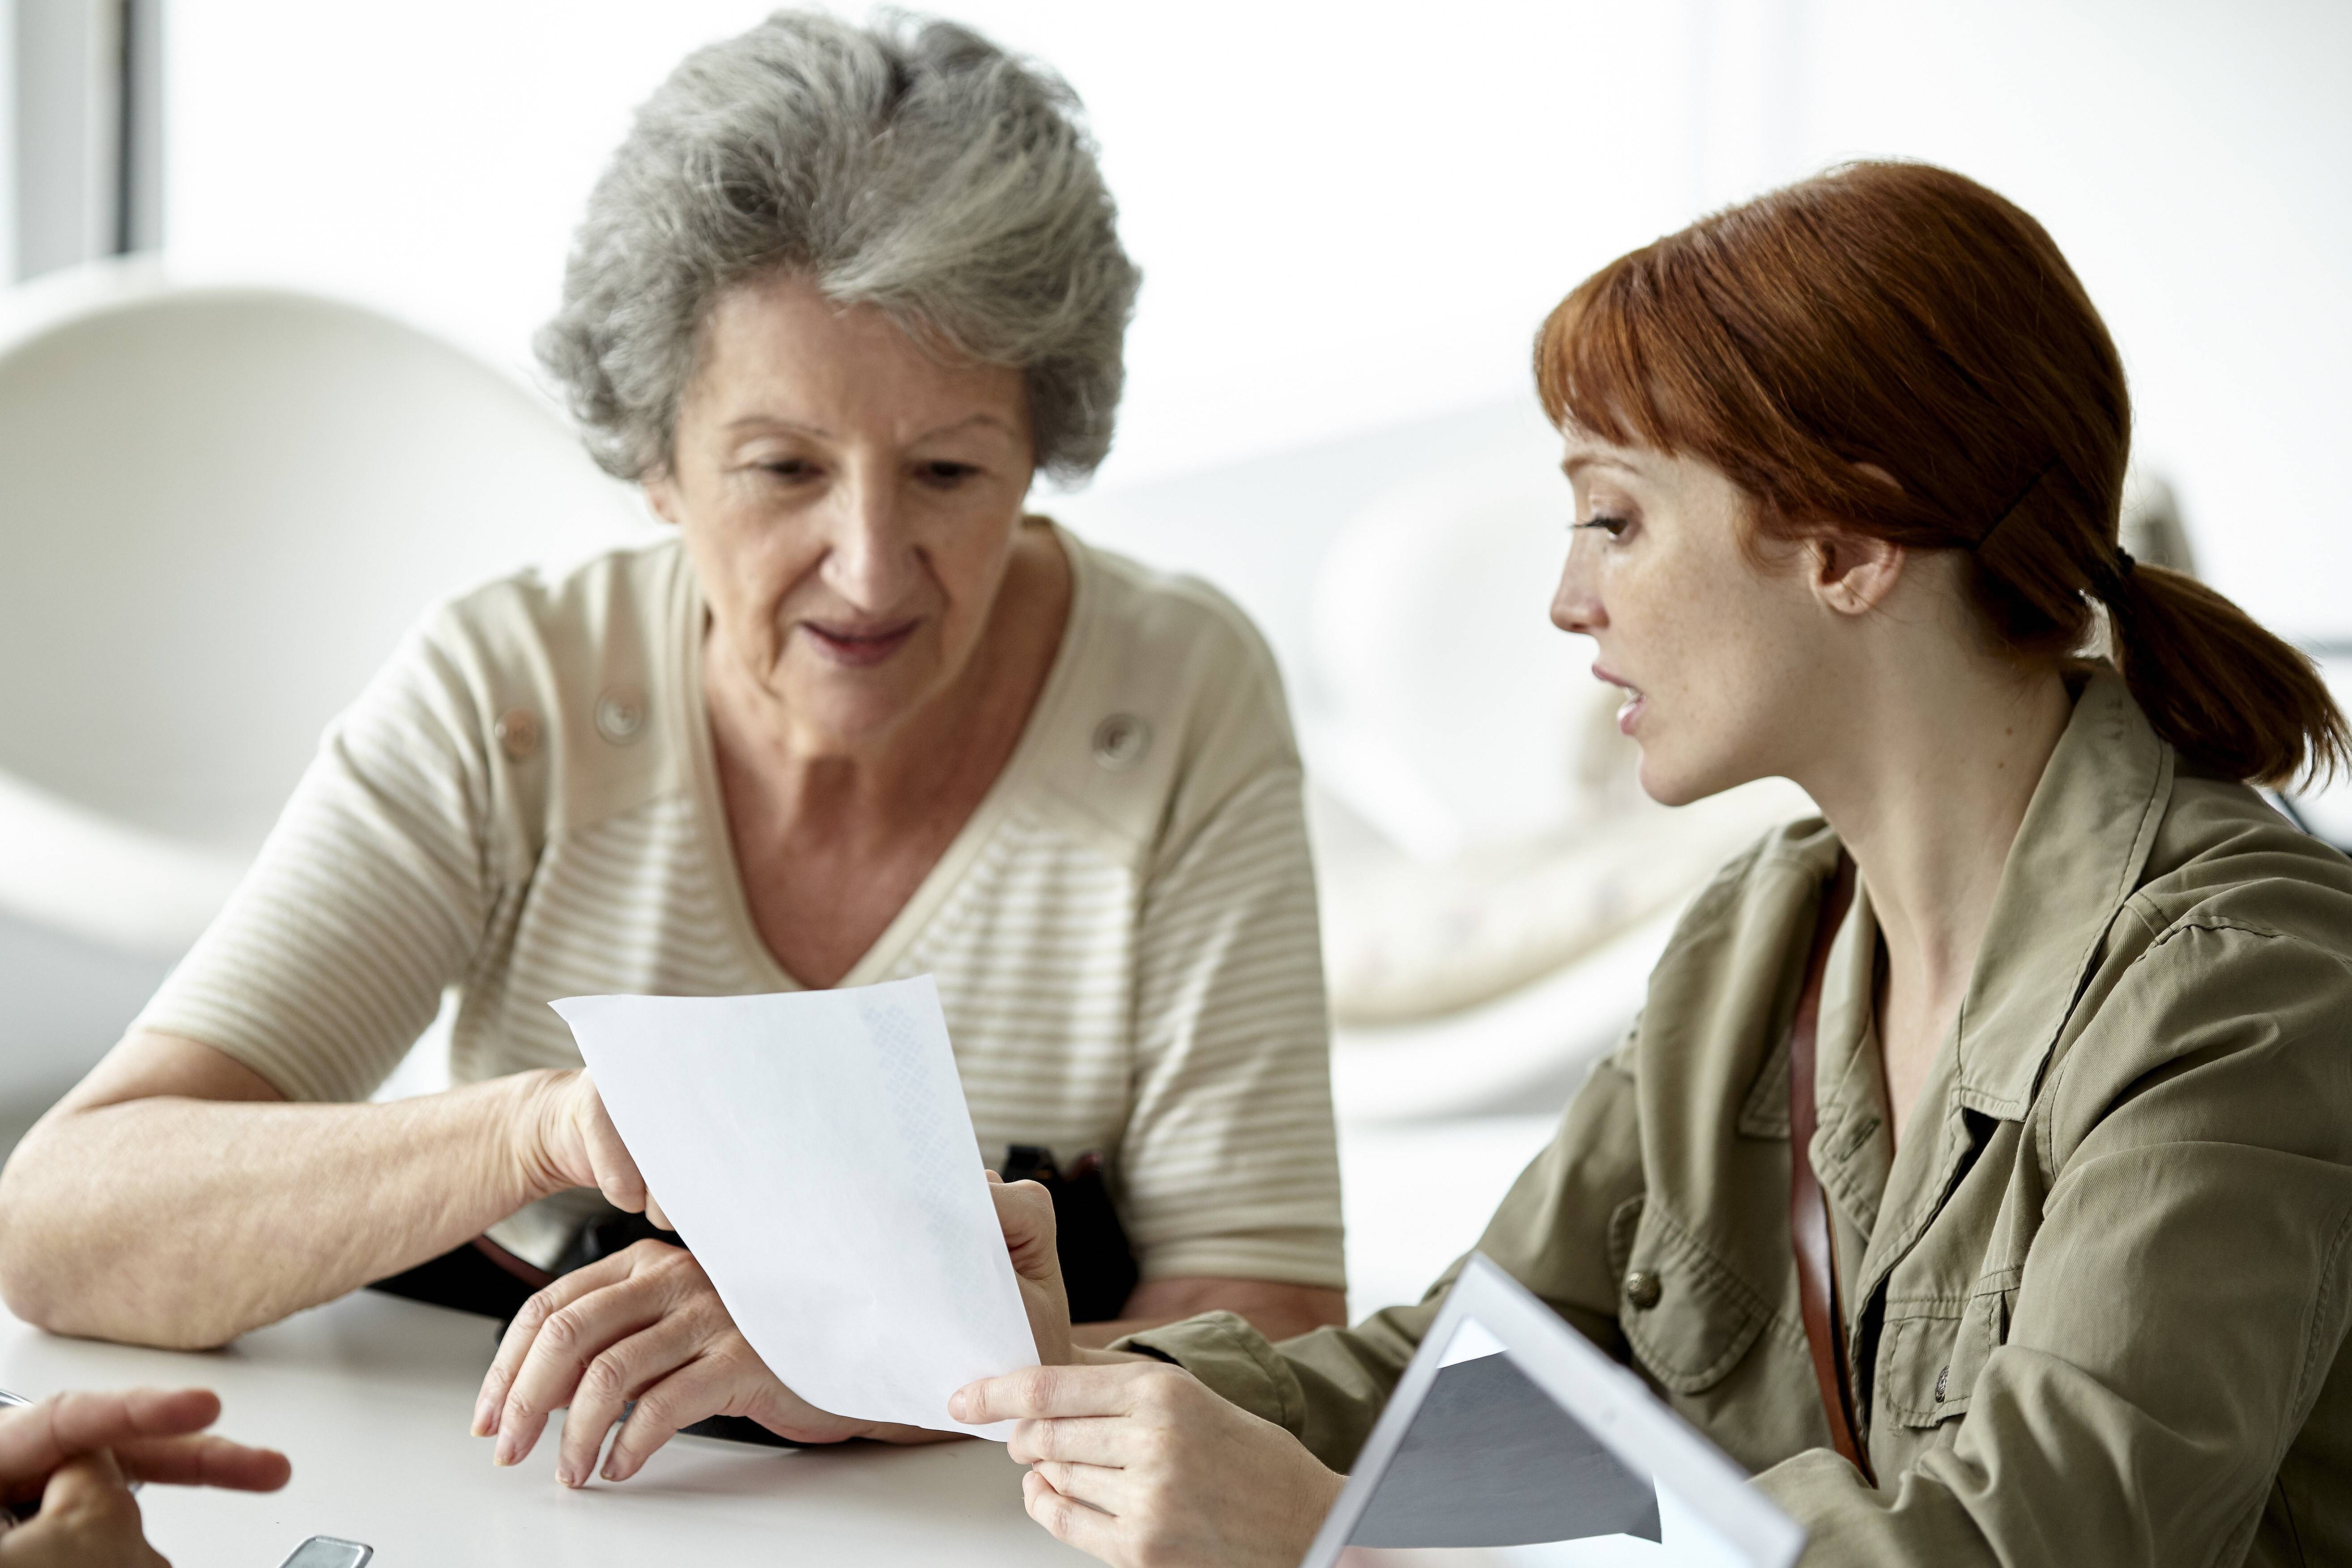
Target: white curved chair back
{"points": [[219, 509]]}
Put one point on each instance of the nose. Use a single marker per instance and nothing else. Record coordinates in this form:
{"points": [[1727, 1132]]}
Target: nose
{"points": [[872, 559], [1576, 604]]}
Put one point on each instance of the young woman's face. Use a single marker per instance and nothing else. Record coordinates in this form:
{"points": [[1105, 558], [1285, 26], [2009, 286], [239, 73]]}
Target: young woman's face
{"points": [[1717, 656], [850, 504]]}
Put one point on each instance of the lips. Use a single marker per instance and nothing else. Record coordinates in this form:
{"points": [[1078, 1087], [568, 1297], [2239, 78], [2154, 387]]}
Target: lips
{"points": [[859, 647], [1635, 701]]}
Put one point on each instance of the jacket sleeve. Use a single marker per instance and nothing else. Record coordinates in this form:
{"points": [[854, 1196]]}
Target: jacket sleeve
{"points": [[2183, 1301], [1552, 1234]]}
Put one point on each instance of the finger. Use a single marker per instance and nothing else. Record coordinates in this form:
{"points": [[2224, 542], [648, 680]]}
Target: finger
{"points": [[514, 1346], [703, 1387], [622, 1372], [654, 1213], [1047, 1393], [37, 1438], [1068, 1520], [1109, 1491], [85, 1485], [1024, 1210], [1107, 1440], [572, 1337], [617, 1169], [204, 1461]]}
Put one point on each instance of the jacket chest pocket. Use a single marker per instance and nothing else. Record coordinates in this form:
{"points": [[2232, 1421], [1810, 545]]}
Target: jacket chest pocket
{"points": [[1688, 1320], [1932, 1352]]}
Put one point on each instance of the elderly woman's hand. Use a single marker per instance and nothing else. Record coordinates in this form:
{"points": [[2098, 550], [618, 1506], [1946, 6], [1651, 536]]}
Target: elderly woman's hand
{"points": [[77, 1454], [646, 1325], [1138, 1464], [567, 1140]]}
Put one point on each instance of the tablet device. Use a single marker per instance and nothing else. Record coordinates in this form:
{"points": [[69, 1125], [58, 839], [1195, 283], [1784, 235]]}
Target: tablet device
{"points": [[1513, 1442]]}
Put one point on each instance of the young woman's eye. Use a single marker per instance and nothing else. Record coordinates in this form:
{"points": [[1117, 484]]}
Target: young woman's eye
{"points": [[1614, 527]]}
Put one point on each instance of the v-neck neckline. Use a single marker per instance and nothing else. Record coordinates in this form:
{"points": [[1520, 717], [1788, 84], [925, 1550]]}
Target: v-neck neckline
{"points": [[711, 807]]}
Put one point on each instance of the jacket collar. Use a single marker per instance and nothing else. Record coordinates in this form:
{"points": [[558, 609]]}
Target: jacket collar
{"points": [[2079, 853]]}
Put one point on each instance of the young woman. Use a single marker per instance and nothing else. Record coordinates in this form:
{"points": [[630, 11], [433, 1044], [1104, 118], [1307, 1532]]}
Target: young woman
{"points": [[2075, 1204], [1847, 462]]}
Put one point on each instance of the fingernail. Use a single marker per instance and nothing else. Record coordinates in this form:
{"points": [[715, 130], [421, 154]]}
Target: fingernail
{"points": [[482, 1409], [505, 1456], [955, 1405], [564, 1473], [611, 1469]]}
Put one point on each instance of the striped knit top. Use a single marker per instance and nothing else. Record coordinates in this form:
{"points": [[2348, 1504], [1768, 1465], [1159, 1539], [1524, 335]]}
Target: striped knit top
{"points": [[524, 805]]}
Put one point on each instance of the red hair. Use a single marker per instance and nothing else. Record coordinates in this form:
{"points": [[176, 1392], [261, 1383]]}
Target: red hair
{"points": [[1903, 317]]}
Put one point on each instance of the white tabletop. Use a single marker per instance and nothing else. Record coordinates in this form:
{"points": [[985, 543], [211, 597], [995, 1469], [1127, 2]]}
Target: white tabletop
{"points": [[371, 1397]]}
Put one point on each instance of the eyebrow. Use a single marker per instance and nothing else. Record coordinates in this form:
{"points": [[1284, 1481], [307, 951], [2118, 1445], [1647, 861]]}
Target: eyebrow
{"points": [[819, 431], [1581, 461]]}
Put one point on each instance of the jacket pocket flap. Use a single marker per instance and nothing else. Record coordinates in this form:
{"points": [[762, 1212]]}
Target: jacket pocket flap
{"points": [[1933, 1352], [1688, 1318]]}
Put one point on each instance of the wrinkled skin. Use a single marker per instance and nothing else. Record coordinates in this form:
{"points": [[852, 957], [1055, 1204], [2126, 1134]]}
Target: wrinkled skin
{"points": [[646, 1325]]}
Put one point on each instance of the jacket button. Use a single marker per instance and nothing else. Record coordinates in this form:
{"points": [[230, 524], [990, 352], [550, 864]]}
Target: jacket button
{"points": [[1643, 1288]]}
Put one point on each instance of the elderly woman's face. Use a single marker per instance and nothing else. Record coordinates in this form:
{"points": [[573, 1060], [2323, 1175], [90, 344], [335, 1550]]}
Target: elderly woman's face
{"points": [[850, 505], [1718, 658]]}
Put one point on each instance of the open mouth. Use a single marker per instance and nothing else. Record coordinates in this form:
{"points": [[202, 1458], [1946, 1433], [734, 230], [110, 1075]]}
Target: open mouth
{"points": [[1630, 713], [859, 647]]}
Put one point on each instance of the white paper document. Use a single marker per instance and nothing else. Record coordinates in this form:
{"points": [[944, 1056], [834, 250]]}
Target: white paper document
{"points": [[814, 1149]]}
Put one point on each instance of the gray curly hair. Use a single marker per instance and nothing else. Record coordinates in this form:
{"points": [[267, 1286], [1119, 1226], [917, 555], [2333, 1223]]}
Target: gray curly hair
{"points": [[912, 165]]}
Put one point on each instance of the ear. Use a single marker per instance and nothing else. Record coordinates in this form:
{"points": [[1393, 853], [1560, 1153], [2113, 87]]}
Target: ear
{"points": [[1853, 573], [661, 494]]}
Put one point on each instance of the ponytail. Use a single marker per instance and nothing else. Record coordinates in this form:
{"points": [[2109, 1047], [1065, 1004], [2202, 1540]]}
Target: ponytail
{"points": [[2233, 698]]}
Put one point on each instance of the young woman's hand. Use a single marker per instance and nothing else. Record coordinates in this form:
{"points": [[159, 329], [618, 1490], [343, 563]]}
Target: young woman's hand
{"points": [[78, 1453], [1138, 1464], [566, 1139]]}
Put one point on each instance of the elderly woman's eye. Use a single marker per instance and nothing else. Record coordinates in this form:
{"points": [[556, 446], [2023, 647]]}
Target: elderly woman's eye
{"points": [[789, 467], [945, 473]]}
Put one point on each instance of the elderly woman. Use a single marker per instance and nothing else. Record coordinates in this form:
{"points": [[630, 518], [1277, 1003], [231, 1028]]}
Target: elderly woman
{"points": [[840, 297], [1980, 1171]]}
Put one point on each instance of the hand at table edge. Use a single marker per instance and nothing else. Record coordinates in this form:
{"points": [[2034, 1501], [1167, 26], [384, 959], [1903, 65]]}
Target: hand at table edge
{"points": [[154, 1434]]}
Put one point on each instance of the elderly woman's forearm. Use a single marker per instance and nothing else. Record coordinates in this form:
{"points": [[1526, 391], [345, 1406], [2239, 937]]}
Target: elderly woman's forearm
{"points": [[183, 1223]]}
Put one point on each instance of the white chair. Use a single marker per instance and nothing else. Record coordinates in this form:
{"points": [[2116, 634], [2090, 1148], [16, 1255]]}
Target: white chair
{"points": [[219, 509]]}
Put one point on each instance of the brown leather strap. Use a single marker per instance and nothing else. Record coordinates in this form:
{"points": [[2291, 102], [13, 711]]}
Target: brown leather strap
{"points": [[1809, 1215]]}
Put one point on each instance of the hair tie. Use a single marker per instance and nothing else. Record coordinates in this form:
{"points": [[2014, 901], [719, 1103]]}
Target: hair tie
{"points": [[2112, 581]]}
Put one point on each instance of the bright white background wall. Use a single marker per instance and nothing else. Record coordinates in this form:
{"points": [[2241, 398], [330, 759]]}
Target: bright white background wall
{"points": [[7, 140], [1352, 215]]}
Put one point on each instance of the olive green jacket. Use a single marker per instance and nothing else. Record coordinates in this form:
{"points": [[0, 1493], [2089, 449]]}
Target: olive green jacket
{"points": [[2096, 1300]]}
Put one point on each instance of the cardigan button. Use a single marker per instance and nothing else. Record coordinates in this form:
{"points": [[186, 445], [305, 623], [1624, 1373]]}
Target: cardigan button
{"points": [[1120, 742], [1643, 1288], [517, 733], [620, 714]]}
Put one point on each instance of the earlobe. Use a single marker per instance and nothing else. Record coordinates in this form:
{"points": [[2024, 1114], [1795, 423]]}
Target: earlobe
{"points": [[661, 494]]}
